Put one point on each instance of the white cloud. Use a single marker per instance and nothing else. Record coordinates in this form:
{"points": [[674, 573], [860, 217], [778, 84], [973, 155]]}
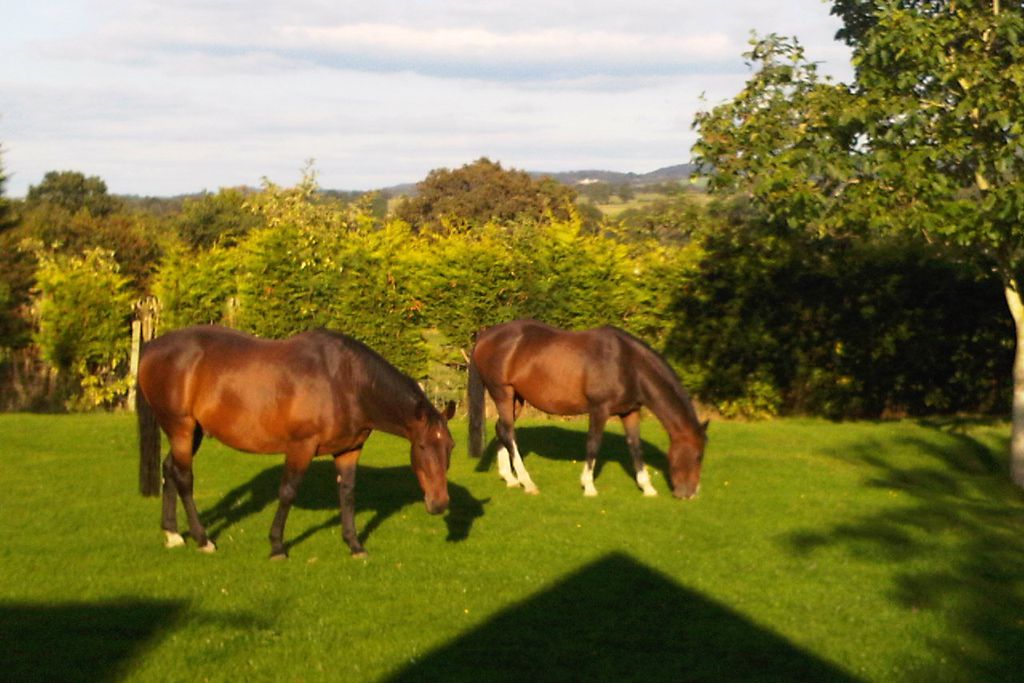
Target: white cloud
{"points": [[483, 53], [161, 98]]}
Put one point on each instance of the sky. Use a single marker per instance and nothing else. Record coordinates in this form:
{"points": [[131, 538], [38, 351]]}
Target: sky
{"points": [[161, 97]]}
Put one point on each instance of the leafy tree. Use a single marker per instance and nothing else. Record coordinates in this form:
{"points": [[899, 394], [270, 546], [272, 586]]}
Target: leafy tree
{"points": [[482, 192], [73, 191], [926, 140], [83, 305], [599, 192], [133, 238], [6, 209], [211, 217], [781, 144], [940, 90]]}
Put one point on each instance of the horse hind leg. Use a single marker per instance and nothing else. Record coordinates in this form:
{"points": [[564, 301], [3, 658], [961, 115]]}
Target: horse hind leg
{"points": [[516, 474], [511, 467], [169, 522], [178, 472], [521, 473], [505, 467]]}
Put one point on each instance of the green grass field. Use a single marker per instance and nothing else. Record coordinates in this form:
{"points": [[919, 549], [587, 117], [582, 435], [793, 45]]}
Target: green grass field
{"points": [[815, 551]]}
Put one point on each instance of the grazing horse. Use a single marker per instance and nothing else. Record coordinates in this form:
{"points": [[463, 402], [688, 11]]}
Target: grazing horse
{"points": [[317, 393], [600, 373]]}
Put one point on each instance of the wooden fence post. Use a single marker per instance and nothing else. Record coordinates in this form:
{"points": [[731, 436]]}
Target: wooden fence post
{"points": [[143, 329]]}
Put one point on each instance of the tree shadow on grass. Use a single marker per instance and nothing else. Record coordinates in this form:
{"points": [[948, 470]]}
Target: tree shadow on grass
{"points": [[85, 641], [557, 443], [383, 490], [617, 620], [956, 530]]}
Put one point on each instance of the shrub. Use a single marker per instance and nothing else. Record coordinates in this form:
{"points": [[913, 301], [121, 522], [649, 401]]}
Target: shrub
{"points": [[83, 307]]}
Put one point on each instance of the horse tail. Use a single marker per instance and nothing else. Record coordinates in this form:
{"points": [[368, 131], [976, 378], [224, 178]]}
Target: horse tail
{"points": [[149, 445], [475, 400]]}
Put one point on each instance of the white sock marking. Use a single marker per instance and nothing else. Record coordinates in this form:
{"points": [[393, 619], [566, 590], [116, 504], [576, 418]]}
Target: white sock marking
{"points": [[587, 480], [524, 476], [643, 480], [505, 468], [173, 539]]}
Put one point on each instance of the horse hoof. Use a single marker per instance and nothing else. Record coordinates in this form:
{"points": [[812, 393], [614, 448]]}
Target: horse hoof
{"points": [[650, 493], [531, 490], [590, 493], [209, 548], [173, 539], [360, 554], [278, 557], [512, 483]]}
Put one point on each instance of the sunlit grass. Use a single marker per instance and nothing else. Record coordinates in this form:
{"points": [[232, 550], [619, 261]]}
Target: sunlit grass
{"points": [[879, 551]]}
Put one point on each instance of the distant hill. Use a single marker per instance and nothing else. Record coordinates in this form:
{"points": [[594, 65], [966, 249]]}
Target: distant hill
{"points": [[676, 173], [669, 174]]}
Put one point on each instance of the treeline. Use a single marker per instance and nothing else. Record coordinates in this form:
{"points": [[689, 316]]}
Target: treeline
{"points": [[757, 321]]}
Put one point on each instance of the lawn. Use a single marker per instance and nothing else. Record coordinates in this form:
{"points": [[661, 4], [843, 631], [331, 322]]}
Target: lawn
{"points": [[815, 551]]}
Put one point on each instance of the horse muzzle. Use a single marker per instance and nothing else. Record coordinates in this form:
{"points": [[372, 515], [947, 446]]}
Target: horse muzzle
{"points": [[686, 491], [436, 506]]}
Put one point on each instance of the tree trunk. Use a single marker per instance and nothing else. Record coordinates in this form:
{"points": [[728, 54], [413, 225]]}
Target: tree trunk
{"points": [[1013, 300]]}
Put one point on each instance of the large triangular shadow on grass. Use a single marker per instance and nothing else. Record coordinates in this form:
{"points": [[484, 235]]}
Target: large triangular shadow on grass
{"points": [[617, 620], [80, 641]]}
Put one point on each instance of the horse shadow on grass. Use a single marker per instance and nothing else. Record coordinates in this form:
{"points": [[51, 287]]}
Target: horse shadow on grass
{"points": [[556, 443], [618, 620], [953, 533], [93, 641], [383, 490]]}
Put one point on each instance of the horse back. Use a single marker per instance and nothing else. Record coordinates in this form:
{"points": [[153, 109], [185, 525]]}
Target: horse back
{"points": [[558, 371], [252, 394]]}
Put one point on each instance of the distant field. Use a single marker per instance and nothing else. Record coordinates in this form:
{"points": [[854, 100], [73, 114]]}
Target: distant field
{"points": [[815, 551], [616, 206]]}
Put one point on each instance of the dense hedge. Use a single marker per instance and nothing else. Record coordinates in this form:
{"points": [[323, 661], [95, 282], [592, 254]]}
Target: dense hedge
{"points": [[841, 327], [756, 322], [417, 297]]}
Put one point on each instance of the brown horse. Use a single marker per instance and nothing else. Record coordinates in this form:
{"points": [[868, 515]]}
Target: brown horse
{"points": [[600, 373], [318, 393]]}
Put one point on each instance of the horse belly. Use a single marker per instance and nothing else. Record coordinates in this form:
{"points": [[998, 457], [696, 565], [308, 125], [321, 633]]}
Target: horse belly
{"points": [[554, 390], [258, 422]]}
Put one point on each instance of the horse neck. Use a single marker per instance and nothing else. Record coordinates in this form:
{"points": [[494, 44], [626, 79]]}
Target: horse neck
{"points": [[393, 413], [667, 399]]}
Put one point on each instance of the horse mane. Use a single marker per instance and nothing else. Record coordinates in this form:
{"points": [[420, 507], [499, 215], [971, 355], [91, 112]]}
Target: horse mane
{"points": [[385, 377], [658, 365]]}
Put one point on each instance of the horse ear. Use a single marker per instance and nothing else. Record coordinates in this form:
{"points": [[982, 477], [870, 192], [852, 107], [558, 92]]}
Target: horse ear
{"points": [[449, 410], [704, 426]]}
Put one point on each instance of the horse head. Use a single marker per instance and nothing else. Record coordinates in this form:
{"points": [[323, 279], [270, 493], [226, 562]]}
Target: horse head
{"points": [[685, 456], [432, 445]]}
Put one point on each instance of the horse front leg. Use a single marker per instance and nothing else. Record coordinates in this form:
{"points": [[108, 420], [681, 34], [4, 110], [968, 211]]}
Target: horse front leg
{"points": [[296, 462], [631, 422], [594, 435], [346, 467]]}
